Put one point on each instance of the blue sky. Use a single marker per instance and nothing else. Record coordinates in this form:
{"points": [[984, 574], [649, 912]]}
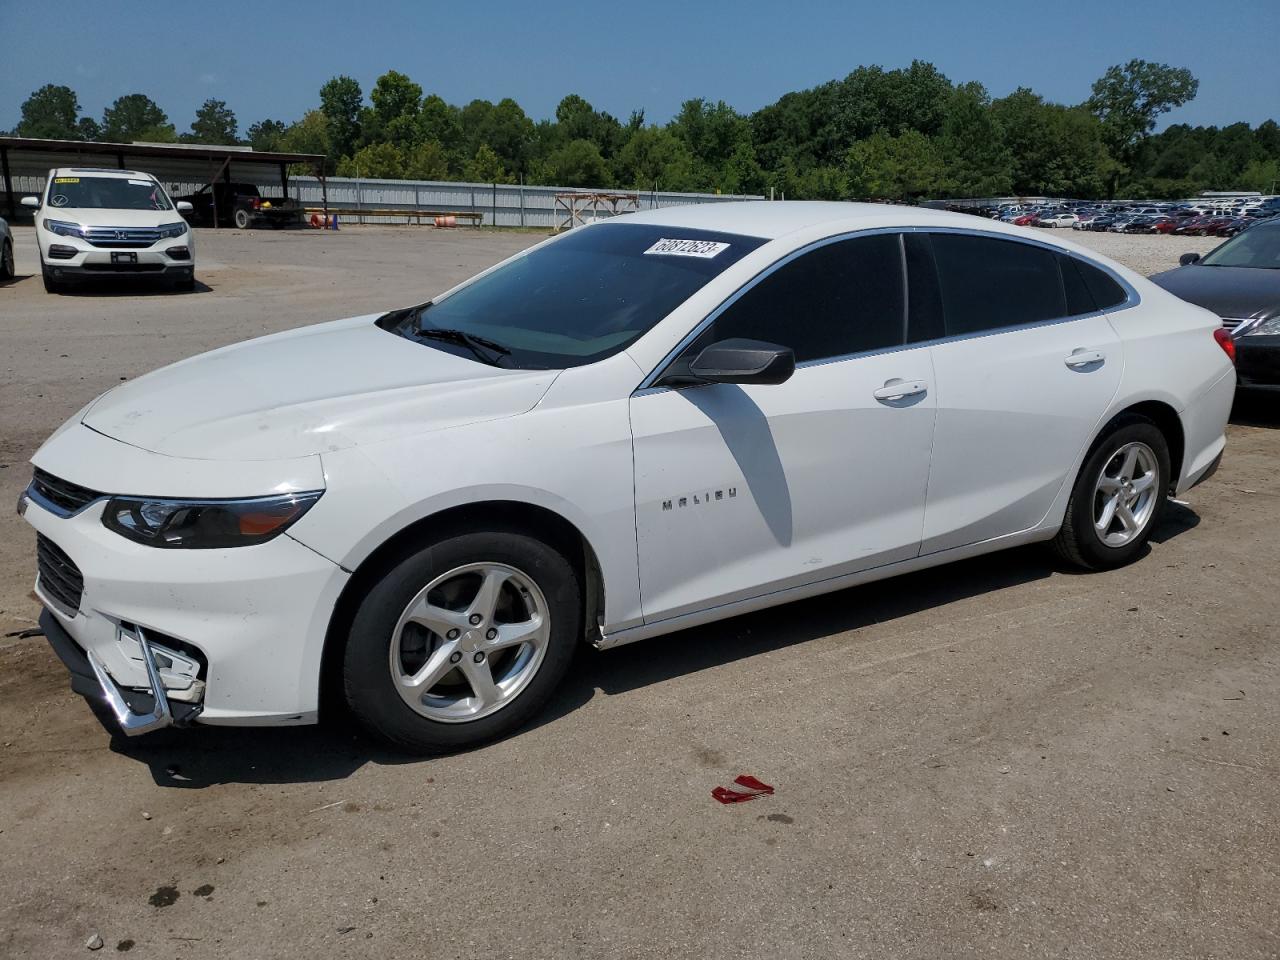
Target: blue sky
{"points": [[268, 59]]}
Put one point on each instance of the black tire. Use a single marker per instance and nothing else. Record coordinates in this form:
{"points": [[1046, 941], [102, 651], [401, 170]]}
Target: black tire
{"points": [[6, 262], [241, 219], [50, 285], [1078, 542], [368, 686]]}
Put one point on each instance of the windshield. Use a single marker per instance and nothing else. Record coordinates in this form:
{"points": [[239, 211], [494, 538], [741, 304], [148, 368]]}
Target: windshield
{"points": [[1256, 247], [579, 299], [108, 193]]}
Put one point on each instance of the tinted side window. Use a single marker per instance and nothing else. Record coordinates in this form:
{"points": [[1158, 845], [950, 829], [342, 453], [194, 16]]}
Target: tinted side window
{"points": [[842, 298], [988, 283], [1079, 299], [1104, 290]]}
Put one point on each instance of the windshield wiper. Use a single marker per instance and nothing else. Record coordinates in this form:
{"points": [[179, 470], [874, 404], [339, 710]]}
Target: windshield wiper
{"points": [[485, 350]]}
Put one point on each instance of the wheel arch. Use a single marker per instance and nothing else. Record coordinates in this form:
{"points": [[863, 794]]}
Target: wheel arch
{"points": [[1167, 421], [532, 519]]}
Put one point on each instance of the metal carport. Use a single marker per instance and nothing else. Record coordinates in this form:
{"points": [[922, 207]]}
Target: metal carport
{"points": [[182, 168]]}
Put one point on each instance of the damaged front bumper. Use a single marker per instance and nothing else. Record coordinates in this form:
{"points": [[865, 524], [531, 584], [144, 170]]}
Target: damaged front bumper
{"points": [[137, 711]]}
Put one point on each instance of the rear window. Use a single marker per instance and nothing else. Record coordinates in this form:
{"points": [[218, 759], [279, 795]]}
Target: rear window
{"points": [[583, 297], [107, 193]]}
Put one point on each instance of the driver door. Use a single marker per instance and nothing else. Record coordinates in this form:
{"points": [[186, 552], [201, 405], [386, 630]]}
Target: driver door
{"points": [[742, 490]]}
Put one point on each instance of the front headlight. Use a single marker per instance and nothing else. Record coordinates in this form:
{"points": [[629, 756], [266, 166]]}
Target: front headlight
{"points": [[205, 524], [168, 230], [64, 228], [1267, 328]]}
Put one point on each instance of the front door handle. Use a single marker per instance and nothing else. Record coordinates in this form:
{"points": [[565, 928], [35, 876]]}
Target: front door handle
{"points": [[1080, 357], [897, 389]]}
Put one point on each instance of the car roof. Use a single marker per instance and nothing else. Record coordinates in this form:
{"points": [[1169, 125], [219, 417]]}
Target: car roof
{"points": [[101, 172], [771, 220]]}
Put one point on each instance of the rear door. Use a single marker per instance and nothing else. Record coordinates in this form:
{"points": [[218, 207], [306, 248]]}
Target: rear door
{"points": [[1025, 365], [745, 490]]}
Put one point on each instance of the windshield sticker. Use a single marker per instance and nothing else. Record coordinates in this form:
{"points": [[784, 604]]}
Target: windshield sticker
{"points": [[675, 247], [141, 183], [66, 179]]}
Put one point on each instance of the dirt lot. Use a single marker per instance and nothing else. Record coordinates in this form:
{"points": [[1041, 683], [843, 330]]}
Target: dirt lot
{"points": [[997, 758]]}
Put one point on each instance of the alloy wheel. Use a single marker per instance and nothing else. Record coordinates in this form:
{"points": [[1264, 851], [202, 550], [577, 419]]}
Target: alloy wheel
{"points": [[470, 642], [1125, 494]]}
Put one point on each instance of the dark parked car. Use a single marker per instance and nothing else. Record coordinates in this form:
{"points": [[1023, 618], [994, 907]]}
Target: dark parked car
{"points": [[1240, 282], [242, 205]]}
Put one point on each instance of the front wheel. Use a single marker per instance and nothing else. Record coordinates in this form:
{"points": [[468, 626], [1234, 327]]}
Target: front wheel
{"points": [[1117, 498], [463, 641]]}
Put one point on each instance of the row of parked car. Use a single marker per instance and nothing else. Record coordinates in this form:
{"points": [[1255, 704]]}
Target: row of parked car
{"points": [[1182, 219]]}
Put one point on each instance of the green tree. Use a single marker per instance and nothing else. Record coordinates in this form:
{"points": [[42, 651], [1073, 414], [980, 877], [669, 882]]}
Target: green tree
{"points": [[975, 159], [439, 121], [394, 115], [902, 167], [265, 135], [50, 113], [1057, 150], [215, 122], [1128, 99], [309, 135], [427, 161], [377, 161], [578, 163], [486, 167], [655, 159], [874, 100], [341, 100], [136, 116]]}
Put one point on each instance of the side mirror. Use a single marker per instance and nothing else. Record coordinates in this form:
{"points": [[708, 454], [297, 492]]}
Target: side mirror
{"points": [[1188, 258], [744, 361], [31, 201], [184, 207]]}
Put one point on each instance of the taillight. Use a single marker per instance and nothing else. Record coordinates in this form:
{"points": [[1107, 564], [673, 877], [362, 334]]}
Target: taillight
{"points": [[1227, 344], [257, 202]]}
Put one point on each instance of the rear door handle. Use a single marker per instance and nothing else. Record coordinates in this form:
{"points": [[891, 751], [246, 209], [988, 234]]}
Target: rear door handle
{"points": [[1080, 357], [897, 389]]}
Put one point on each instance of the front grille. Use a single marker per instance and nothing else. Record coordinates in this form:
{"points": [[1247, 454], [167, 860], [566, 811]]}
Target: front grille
{"points": [[66, 496], [60, 579], [122, 237]]}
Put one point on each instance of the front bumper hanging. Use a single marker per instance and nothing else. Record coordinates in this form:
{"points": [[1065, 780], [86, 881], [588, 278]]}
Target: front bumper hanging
{"points": [[136, 711]]}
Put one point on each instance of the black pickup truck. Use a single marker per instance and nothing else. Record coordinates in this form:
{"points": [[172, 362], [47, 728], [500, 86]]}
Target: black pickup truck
{"points": [[240, 204]]}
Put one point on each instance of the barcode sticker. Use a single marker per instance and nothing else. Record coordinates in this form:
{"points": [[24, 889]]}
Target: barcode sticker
{"points": [[675, 247]]}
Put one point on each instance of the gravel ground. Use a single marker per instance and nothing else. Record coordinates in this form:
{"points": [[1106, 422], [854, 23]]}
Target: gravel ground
{"points": [[998, 758]]}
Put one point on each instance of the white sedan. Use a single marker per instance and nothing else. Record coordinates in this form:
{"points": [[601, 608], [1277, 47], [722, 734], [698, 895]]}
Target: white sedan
{"points": [[635, 428], [1057, 220]]}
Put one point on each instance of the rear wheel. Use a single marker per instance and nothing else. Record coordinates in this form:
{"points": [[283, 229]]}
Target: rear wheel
{"points": [[1117, 497], [6, 261], [463, 641], [241, 219]]}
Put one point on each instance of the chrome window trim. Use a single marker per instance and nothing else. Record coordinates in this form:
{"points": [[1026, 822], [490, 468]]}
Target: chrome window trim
{"points": [[1132, 298]]}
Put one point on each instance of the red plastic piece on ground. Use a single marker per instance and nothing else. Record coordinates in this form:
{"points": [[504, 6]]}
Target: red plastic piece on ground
{"points": [[748, 788]]}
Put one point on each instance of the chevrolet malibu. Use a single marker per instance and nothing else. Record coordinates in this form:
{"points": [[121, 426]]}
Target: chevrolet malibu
{"points": [[631, 429]]}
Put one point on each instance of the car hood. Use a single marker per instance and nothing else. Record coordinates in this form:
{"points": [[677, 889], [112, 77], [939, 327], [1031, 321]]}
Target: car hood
{"points": [[100, 217], [1235, 292], [309, 391]]}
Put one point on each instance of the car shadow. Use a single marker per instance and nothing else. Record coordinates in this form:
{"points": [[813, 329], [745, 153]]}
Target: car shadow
{"points": [[129, 288], [201, 756]]}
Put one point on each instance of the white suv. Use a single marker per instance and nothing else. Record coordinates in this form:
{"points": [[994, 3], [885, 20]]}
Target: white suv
{"points": [[103, 224]]}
